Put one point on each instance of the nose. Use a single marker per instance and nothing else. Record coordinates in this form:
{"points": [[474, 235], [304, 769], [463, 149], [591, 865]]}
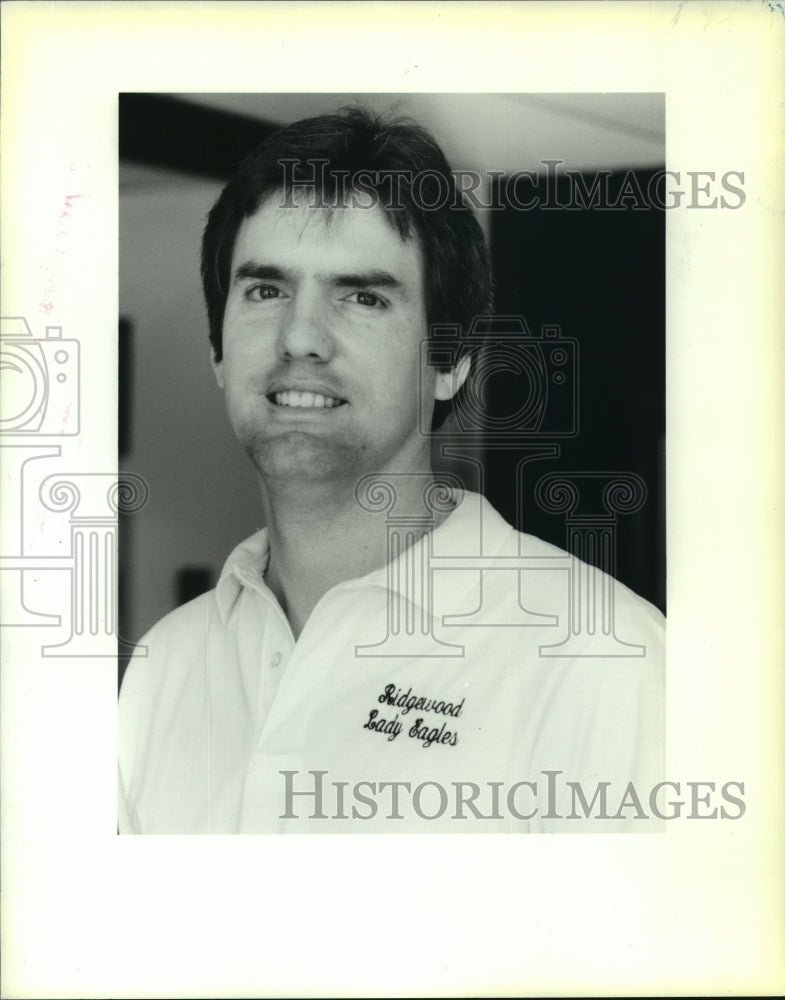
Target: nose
{"points": [[304, 331]]}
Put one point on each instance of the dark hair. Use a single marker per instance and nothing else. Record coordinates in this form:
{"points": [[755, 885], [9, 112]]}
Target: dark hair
{"points": [[403, 171]]}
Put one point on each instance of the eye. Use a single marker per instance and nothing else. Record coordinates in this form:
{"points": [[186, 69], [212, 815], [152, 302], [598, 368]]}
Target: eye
{"points": [[257, 293], [367, 299]]}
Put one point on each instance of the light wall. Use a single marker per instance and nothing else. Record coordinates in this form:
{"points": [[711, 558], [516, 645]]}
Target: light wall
{"points": [[203, 497]]}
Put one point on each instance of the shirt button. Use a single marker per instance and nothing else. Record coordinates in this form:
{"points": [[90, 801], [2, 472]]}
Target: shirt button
{"points": [[276, 659]]}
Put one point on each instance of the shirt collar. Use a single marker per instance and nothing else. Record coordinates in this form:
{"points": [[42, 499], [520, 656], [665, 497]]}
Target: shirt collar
{"points": [[245, 566], [473, 528]]}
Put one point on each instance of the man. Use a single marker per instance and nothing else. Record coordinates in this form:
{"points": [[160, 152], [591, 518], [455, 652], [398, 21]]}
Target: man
{"points": [[365, 662]]}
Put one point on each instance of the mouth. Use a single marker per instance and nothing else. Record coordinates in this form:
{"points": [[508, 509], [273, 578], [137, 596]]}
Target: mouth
{"points": [[305, 400]]}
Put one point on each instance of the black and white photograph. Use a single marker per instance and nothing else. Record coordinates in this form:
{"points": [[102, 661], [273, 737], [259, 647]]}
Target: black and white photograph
{"points": [[392, 465], [413, 663]]}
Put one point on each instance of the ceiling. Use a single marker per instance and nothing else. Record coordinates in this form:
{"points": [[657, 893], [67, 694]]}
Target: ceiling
{"points": [[499, 131], [482, 132]]}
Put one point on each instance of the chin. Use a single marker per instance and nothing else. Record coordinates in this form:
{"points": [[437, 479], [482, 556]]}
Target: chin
{"points": [[300, 456]]}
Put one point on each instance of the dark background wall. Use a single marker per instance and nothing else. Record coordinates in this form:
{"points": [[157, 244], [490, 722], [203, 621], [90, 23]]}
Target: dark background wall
{"points": [[598, 273]]}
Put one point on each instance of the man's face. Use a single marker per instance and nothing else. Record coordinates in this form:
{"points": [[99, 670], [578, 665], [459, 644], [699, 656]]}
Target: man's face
{"points": [[323, 322]]}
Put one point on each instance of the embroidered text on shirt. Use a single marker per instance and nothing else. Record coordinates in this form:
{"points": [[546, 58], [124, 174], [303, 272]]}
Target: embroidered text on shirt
{"points": [[408, 701], [421, 730], [390, 726]]}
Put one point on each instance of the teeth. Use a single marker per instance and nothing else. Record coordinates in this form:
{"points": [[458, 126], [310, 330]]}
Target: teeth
{"points": [[313, 400]]}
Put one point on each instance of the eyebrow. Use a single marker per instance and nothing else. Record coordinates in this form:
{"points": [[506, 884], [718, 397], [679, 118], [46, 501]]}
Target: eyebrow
{"points": [[250, 269], [374, 279], [365, 279]]}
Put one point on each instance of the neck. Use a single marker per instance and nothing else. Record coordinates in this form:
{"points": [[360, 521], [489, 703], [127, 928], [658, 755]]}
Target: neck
{"points": [[320, 536]]}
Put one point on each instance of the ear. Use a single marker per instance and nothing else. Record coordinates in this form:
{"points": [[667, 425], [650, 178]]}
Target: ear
{"points": [[218, 369], [448, 383]]}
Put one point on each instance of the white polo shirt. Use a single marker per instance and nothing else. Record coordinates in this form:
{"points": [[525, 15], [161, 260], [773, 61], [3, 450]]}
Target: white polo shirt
{"points": [[484, 681]]}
